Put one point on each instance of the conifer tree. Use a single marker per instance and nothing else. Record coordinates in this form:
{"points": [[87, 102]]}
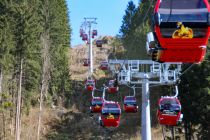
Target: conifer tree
{"points": [[127, 22], [60, 36]]}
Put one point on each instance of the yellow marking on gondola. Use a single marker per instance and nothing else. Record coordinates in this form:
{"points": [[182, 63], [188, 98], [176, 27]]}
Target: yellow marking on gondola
{"points": [[97, 106], [110, 117], [183, 32]]}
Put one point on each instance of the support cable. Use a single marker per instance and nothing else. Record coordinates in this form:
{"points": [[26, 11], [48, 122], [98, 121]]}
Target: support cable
{"points": [[187, 69]]}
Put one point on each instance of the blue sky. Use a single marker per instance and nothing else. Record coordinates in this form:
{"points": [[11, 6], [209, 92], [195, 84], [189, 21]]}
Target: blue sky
{"points": [[108, 12]]}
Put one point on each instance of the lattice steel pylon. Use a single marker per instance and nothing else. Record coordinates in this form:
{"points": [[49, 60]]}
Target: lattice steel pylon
{"points": [[145, 72]]}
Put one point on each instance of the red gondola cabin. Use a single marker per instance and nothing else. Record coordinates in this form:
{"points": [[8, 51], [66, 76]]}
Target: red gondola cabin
{"points": [[86, 62], [110, 114], [94, 33], [99, 43], [181, 30], [169, 111], [113, 87], [90, 85], [104, 65], [84, 37], [130, 104], [81, 32], [96, 105]]}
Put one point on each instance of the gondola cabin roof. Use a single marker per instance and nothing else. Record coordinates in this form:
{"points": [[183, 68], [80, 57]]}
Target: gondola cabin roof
{"points": [[111, 107], [90, 82], [97, 100], [182, 6], [129, 99], [104, 62], [111, 82], [169, 101]]}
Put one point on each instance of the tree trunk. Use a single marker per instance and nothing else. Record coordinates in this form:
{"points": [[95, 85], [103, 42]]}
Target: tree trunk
{"points": [[1, 82], [1, 77], [18, 111], [45, 77], [40, 109], [45, 40], [4, 126], [13, 91]]}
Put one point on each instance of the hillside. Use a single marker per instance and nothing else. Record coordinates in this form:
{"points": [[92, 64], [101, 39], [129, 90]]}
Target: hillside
{"points": [[79, 53], [42, 94], [74, 123]]}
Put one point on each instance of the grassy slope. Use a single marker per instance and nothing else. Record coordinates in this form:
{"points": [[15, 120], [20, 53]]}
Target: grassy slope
{"points": [[78, 123]]}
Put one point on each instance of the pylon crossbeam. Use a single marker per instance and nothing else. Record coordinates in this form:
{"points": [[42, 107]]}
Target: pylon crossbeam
{"points": [[145, 72]]}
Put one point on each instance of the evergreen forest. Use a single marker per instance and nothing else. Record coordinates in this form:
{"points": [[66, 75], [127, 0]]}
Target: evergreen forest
{"points": [[36, 76]]}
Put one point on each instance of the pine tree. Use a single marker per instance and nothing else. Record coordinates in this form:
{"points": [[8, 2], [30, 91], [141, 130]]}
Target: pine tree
{"points": [[34, 42], [134, 37], [27, 54], [28, 45], [195, 99], [60, 36], [127, 22], [7, 45]]}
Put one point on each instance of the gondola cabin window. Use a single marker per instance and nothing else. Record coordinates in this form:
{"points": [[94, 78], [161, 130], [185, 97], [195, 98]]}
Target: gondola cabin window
{"points": [[192, 13]]}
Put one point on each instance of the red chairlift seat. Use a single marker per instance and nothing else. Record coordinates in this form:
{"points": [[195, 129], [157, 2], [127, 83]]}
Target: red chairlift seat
{"points": [[99, 43], [110, 114], [86, 62], [187, 43], [90, 85], [130, 104], [113, 88], [84, 37], [96, 104], [169, 111], [104, 65]]}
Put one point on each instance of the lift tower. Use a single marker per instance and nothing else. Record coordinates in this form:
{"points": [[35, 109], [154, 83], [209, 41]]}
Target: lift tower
{"points": [[89, 21], [145, 73]]}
